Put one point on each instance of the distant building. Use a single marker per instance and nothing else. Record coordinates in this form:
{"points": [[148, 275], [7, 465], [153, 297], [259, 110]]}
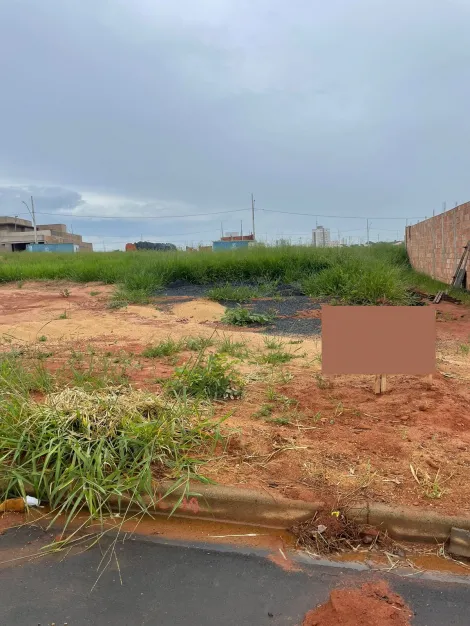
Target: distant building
{"points": [[16, 234], [237, 237], [320, 237]]}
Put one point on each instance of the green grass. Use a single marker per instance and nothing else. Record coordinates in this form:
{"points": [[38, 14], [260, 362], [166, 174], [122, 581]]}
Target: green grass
{"points": [[277, 357], [357, 275], [79, 448], [168, 347], [271, 343], [233, 348], [198, 344], [233, 294], [242, 293], [211, 378], [264, 411], [245, 317], [42, 338]]}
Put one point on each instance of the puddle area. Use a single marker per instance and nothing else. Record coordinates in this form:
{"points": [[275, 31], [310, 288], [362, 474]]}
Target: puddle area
{"points": [[417, 559], [278, 545]]}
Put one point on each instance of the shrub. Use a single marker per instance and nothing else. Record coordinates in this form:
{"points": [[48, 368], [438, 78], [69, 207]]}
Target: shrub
{"points": [[214, 379], [244, 317]]}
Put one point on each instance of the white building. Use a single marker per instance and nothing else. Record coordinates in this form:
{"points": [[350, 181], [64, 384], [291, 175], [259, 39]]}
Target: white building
{"points": [[320, 237]]}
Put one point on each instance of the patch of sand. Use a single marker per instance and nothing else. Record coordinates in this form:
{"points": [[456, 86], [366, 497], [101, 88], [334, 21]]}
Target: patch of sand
{"points": [[200, 310]]}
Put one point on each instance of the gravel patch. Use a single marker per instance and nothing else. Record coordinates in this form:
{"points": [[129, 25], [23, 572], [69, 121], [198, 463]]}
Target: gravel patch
{"points": [[285, 309], [289, 303]]}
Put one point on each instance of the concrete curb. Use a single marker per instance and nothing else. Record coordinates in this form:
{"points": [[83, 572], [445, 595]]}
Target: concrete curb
{"points": [[408, 523], [243, 506], [226, 504], [231, 504]]}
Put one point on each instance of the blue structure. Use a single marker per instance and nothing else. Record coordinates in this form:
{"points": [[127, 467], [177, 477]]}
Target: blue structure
{"points": [[52, 247], [229, 245]]}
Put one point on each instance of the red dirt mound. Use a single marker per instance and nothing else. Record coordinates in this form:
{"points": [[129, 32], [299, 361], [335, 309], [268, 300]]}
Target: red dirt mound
{"points": [[373, 604]]}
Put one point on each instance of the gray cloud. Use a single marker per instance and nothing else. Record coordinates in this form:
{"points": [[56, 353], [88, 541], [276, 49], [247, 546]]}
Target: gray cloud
{"points": [[339, 108]]}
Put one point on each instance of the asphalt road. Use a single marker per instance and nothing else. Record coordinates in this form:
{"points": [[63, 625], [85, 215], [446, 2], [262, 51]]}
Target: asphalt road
{"points": [[179, 585]]}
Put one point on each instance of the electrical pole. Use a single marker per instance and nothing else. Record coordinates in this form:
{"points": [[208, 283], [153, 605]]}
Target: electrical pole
{"points": [[221, 230], [33, 217], [367, 233], [241, 230], [253, 215]]}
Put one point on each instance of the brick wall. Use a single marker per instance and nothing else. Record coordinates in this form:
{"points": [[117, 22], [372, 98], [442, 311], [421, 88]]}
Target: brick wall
{"points": [[436, 245]]}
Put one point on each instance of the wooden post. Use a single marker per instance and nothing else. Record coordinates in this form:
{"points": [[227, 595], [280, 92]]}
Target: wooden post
{"points": [[380, 385]]}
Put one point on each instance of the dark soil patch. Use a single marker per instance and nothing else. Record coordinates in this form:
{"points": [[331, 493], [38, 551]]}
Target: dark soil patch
{"points": [[372, 604], [290, 315], [291, 308]]}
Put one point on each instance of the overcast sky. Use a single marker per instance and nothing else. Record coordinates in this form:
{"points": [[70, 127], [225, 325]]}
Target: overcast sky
{"points": [[151, 108]]}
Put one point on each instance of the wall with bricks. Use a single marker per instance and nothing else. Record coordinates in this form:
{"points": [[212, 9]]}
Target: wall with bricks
{"points": [[435, 245]]}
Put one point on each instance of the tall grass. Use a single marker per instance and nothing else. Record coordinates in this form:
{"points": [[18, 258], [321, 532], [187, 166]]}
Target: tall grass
{"points": [[80, 449], [379, 272]]}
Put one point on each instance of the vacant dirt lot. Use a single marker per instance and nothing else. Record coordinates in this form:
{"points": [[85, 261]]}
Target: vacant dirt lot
{"points": [[294, 432]]}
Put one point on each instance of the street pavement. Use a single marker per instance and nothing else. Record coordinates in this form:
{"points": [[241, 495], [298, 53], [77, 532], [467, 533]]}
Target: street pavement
{"points": [[188, 585]]}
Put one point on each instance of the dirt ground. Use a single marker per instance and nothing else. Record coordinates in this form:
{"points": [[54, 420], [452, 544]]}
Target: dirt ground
{"points": [[295, 432], [373, 604]]}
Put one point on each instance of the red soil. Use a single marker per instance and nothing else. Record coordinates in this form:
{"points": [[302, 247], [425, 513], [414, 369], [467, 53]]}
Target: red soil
{"points": [[373, 604]]}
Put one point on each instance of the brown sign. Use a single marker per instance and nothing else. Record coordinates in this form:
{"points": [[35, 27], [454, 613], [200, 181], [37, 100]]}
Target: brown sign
{"points": [[378, 340]]}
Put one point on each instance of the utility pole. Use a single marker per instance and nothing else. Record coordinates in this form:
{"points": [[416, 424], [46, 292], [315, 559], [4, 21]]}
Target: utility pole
{"points": [[367, 233], [16, 217], [33, 217], [241, 230], [221, 230], [253, 215]]}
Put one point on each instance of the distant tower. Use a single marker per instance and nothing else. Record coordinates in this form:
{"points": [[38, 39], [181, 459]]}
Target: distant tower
{"points": [[320, 237]]}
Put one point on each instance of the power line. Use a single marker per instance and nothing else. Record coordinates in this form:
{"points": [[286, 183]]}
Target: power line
{"points": [[162, 217], [138, 217], [343, 217]]}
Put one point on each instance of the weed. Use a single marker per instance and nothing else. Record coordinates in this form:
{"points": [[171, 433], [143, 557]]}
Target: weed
{"points": [[271, 393], [213, 379], [80, 451], [94, 293], [244, 317], [21, 376], [264, 411], [271, 343], [124, 296], [464, 349], [322, 382], [63, 316], [432, 487], [90, 371], [198, 344], [233, 348], [228, 293], [281, 421], [20, 284], [434, 491], [168, 347], [295, 341], [42, 338], [277, 358], [65, 293]]}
